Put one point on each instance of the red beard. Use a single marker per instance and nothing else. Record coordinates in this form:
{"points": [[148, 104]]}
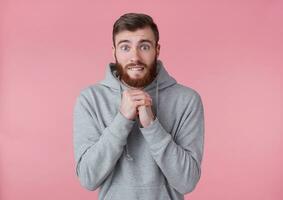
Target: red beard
{"points": [[140, 82]]}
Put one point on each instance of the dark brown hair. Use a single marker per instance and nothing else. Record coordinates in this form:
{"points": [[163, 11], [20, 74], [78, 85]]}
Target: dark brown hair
{"points": [[132, 22]]}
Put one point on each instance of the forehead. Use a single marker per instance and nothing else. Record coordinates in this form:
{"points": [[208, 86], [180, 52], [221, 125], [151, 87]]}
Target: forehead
{"points": [[135, 36]]}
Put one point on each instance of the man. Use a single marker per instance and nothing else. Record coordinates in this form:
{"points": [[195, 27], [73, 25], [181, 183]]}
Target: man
{"points": [[138, 134]]}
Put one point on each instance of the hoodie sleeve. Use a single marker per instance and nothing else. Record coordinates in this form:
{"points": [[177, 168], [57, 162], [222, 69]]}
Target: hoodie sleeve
{"points": [[96, 151], [180, 158]]}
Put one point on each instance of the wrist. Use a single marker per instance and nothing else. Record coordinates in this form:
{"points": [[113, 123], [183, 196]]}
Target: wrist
{"points": [[150, 122]]}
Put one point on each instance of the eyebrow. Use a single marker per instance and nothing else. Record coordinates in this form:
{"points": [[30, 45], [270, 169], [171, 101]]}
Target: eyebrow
{"points": [[121, 41], [141, 41], [149, 41]]}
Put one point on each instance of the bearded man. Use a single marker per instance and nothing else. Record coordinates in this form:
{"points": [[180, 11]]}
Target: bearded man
{"points": [[138, 134]]}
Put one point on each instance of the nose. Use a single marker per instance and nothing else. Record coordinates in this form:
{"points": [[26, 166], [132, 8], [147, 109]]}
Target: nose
{"points": [[135, 56]]}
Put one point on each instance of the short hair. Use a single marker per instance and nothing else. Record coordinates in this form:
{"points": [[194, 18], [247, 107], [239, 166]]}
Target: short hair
{"points": [[132, 22]]}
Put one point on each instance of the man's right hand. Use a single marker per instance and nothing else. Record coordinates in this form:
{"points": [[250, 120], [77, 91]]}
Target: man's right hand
{"points": [[131, 100]]}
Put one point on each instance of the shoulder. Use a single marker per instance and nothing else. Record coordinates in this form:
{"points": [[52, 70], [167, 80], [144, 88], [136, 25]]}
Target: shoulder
{"points": [[97, 92], [89, 92], [94, 90], [90, 89], [189, 99], [185, 93]]}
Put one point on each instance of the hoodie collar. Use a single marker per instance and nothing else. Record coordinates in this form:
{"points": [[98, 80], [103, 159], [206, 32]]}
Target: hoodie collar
{"points": [[112, 81]]}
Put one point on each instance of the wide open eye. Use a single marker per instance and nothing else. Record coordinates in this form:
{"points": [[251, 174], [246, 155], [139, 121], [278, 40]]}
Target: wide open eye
{"points": [[125, 47], [145, 47]]}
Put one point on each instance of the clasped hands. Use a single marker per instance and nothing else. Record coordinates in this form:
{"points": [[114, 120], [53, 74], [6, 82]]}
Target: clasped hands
{"points": [[137, 102]]}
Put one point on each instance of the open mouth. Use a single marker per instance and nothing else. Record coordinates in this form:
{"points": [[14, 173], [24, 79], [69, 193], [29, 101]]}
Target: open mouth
{"points": [[136, 68]]}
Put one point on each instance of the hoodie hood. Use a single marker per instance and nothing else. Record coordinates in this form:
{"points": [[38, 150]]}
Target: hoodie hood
{"points": [[161, 81]]}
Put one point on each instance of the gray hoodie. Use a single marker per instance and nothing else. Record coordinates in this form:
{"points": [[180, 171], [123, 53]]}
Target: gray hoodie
{"points": [[127, 161]]}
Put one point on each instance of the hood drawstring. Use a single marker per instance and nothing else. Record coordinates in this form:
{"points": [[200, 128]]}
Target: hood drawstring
{"points": [[126, 149], [156, 97]]}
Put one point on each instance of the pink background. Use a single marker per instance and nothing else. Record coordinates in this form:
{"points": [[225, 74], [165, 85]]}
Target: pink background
{"points": [[231, 52]]}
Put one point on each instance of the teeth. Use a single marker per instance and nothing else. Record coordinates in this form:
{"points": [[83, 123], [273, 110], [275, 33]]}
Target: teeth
{"points": [[136, 68]]}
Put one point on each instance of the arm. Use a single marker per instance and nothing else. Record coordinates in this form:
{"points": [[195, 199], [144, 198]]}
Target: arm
{"points": [[96, 151], [179, 159]]}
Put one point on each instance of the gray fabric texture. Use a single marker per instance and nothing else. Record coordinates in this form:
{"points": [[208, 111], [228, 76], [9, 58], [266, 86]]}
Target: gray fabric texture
{"points": [[127, 161]]}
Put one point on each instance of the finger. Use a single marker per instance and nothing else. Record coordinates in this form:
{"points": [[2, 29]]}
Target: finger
{"points": [[143, 103], [135, 91], [142, 94], [131, 92], [139, 93], [140, 97]]}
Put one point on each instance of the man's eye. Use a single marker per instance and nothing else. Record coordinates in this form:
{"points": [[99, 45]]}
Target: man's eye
{"points": [[145, 47], [125, 48]]}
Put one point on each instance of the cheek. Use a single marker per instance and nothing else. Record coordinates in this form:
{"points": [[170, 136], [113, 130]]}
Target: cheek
{"points": [[122, 58], [149, 58]]}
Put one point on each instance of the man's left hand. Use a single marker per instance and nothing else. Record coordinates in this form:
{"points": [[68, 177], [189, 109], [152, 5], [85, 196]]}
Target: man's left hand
{"points": [[146, 115]]}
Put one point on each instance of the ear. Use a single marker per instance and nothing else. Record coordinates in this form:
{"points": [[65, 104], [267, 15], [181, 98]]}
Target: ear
{"points": [[157, 50], [113, 52]]}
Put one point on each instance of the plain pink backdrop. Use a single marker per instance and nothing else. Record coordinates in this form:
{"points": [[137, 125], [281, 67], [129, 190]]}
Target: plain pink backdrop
{"points": [[231, 52]]}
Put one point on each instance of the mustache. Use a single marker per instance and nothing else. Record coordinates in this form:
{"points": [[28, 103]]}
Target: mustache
{"points": [[134, 64]]}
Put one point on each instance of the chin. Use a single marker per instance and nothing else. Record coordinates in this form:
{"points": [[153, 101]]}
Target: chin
{"points": [[137, 77]]}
